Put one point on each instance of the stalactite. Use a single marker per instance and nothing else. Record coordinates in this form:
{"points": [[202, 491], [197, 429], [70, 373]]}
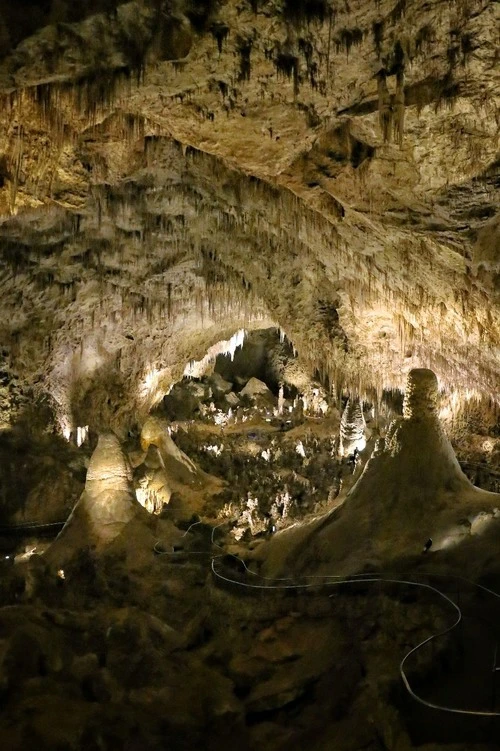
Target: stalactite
{"points": [[244, 47], [17, 165], [378, 36], [348, 38], [399, 109], [398, 11], [384, 106]]}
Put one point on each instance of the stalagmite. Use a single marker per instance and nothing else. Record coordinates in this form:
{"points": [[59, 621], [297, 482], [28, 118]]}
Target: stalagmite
{"points": [[281, 399], [154, 213], [107, 505], [352, 428], [411, 489]]}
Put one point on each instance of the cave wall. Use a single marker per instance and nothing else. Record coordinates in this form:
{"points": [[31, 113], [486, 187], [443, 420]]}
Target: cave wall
{"points": [[172, 172]]}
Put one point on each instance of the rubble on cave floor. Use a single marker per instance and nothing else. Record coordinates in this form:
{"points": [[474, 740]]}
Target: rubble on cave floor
{"points": [[276, 456]]}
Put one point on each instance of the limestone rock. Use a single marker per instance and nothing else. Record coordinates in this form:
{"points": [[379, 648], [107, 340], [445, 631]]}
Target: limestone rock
{"points": [[195, 212], [200, 391], [232, 399], [255, 388], [219, 384], [411, 489], [155, 432], [107, 505], [352, 428]]}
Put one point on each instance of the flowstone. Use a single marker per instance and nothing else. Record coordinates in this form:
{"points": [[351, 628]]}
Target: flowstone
{"points": [[155, 432]]}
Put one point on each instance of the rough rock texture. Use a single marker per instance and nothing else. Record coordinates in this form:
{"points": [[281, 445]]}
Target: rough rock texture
{"points": [[170, 176], [155, 432], [35, 468], [255, 388], [421, 395], [168, 479]]}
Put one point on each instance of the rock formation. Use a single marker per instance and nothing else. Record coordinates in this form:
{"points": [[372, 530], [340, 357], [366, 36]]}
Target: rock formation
{"points": [[411, 489], [173, 175], [155, 432], [107, 505], [145, 218], [352, 428]]}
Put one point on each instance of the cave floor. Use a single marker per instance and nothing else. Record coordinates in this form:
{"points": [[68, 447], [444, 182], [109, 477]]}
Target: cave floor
{"points": [[137, 649]]}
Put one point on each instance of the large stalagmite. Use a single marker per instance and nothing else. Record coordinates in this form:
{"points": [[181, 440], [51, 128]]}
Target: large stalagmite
{"points": [[107, 505], [173, 175], [417, 461], [411, 489]]}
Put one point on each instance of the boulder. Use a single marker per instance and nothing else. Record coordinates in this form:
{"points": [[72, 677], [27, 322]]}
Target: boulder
{"points": [[219, 385], [199, 390], [232, 399], [255, 388]]}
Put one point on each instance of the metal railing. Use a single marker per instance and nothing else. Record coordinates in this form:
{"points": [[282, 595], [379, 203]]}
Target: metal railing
{"points": [[332, 580], [28, 528]]}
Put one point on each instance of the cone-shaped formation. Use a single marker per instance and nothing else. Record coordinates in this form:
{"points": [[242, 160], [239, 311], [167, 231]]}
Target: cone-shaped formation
{"points": [[352, 428], [174, 461], [412, 489], [417, 461], [107, 504], [421, 395]]}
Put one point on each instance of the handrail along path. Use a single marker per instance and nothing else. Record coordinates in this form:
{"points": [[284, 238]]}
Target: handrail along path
{"points": [[287, 583]]}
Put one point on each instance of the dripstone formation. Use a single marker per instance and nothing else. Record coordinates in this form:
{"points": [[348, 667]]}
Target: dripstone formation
{"points": [[411, 489], [171, 173], [231, 231]]}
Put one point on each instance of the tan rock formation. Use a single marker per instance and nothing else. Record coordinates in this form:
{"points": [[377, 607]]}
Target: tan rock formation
{"points": [[155, 432], [352, 428], [411, 489], [107, 505], [152, 205]]}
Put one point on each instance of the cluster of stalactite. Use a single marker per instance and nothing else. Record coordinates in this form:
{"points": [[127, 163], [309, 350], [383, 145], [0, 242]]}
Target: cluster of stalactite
{"points": [[77, 101], [417, 285], [229, 227]]}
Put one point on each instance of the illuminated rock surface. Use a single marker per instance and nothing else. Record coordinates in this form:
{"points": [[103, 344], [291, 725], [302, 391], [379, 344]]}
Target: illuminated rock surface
{"points": [[107, 505], [411, 489], [352, 428], [146, 217], [173, 177]]}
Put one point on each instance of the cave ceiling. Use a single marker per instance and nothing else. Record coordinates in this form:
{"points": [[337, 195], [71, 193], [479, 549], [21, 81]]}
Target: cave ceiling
{"points": [[173, 172]]}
